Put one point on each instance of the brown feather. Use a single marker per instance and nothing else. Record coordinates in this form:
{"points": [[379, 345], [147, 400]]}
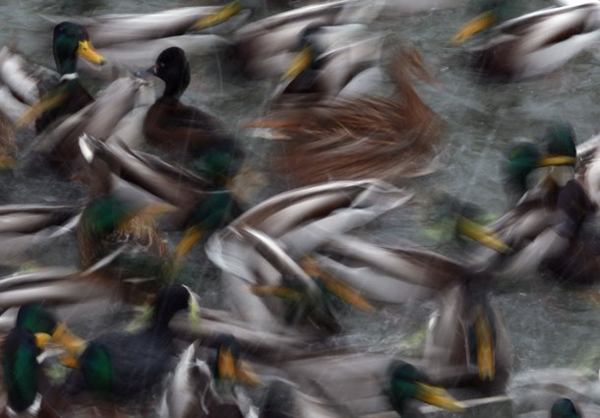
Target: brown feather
{"points": [[365, 137]]}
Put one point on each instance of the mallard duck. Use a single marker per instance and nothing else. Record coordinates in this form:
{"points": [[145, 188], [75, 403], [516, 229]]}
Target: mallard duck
{"points": [[115, 29], [114, 219], [39, 320], [467, 344], [264, 249], [355, 138], [69, 41], [126, 364], [556, 392], [99, 120], [20, 372], [533, 44], [363, 383], [184, 131], [192, 377], [203, 205]]}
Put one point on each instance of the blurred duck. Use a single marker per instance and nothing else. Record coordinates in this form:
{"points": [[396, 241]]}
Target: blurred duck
{"points": [[566, 393], [69, 41], [20, 372], [131, 41], [43, 324], [184, 131], [355, 384], [533, 44], [467, 344], [263, 252], [116, 219], [363, 134], [267, 48], [200, 205], [317, 74], [99, 119], [198, 389], [125, 365]]}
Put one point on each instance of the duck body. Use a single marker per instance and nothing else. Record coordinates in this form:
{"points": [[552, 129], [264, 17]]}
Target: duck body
{"points": [[264, 247], [114, 219], [185, 130], [537, 43], [348, 131], [125, 365]]}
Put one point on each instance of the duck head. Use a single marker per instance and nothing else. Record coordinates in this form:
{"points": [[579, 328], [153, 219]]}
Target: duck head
{"points": [[228, 366], [560, 145], [221, 16], [41, 322], [522, 160], [169, 301], [20, 368], [406, 382], [173, 68], [96, 368], [307, 53], [565, 408], [490, 12], [72, 40]]}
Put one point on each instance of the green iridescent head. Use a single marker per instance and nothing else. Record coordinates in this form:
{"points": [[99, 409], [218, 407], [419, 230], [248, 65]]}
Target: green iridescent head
{"points": [[407, 383], [96, 368], [564, 408], [36, 318], [522, 160], [20, 368], [560, 140]]}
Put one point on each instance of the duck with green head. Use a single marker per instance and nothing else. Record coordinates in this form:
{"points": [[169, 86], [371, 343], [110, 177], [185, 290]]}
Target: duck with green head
{"points": [[114, 219], [20, 372], [70, 40], [565, 408], [124, 364], [407, 383], [532, 44], [557, 162], [43, 324]]}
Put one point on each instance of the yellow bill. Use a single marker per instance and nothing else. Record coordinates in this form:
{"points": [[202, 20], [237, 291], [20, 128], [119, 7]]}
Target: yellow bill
{"points": [[69, 341], [558, 160], [49, 101], [485, 348], [87, 52], [42, 339], [68, 360], [191, 236], [246, 374], [481, 234], [226, 364], [439, 397], [474, 26], [225, 13], [345, 292], [300, 63], [279, 291]]}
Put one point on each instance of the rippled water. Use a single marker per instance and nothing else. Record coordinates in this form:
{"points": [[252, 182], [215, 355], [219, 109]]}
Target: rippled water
{"points": [[548, 326]]}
